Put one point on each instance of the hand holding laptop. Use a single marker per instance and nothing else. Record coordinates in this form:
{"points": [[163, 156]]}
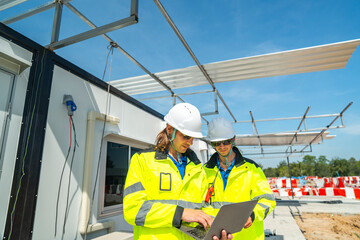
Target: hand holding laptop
{"points": [[224, 236], [248, 223], [193, 215], [231, 217]]}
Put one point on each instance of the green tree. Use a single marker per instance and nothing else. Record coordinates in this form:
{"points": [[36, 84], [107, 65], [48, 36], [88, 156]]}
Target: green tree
{"points": [[308, 166], [354, 167], [283, 169], [295, 169], [341, 166], [322, 167], [270, 172]]}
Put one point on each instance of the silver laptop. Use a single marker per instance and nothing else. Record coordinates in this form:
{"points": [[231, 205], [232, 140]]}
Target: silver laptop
{"points": [[231, 218]]}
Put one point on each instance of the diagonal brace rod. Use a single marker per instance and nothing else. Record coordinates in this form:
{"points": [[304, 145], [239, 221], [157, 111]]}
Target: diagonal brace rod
{"points": [[186, 45]]}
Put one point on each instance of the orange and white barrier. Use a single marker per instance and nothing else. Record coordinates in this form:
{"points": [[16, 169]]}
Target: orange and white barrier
{"points": [[348, 192], [285, 183], [314, 181]]}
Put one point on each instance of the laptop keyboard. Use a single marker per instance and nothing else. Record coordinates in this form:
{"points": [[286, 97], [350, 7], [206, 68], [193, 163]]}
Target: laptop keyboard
{"points": [[198, 231]]}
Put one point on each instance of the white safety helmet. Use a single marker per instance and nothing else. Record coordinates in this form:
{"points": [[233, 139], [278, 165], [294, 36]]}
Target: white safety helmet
{"points": [[220, 129], [185, 118]]}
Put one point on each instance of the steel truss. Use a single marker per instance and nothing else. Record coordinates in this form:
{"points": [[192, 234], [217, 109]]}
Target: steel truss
{"points": [[96, 31], [293, 144]]}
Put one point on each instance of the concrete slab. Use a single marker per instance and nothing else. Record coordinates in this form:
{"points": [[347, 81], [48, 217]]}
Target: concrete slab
{"points": [[116, 236], [281, 224]]}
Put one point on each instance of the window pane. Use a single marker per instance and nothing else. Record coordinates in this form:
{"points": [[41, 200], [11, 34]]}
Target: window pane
{"points": [[134, 150], [116, 169], [6, 83]]}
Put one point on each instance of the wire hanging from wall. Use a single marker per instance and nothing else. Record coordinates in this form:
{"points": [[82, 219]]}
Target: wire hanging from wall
{"points": [[71, 165], [111, 47], [71, 107], [61, 176]]}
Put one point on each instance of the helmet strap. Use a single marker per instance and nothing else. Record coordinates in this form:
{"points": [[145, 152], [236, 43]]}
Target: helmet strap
{"points": [[172, 145], [226, 156], [173, 135]]}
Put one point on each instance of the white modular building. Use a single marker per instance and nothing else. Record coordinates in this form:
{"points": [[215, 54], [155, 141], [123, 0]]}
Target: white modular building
{"points": [[62, 176]]}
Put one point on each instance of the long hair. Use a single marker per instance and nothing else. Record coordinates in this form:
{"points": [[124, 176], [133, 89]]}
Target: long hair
{"points": [[162, 142]]}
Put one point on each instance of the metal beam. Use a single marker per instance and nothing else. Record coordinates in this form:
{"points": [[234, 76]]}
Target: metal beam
{"points": [[328, 126], [94, 32], [257, 134], [292, 191], [134, 6], [85, 19], [270, 153], [291, 118], [177, 32], [297, 130], [177, 94], [57, 22], [30, 12]]}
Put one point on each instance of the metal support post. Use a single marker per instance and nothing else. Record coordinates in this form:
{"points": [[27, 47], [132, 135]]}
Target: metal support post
{"points": [[57, 22], [257, 134], [292, 192]]}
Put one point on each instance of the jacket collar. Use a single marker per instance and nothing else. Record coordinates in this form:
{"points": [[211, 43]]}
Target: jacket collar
{"points": [[159, 155], [239, 159]]}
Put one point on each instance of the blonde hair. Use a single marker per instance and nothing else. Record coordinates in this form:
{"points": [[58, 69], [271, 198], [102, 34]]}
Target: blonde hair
{"points": [[162, 142]]}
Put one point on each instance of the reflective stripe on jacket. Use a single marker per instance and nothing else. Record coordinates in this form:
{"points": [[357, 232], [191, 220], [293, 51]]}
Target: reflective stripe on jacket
{"points": [[246, 182], [155, 195]]}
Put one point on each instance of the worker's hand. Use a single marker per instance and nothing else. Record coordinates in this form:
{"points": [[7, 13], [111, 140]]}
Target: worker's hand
{"points": [[193, 215], [224, 236], [248, 223]]}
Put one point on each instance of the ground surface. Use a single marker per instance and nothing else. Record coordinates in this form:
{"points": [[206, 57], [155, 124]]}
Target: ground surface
{"points": [[329, 226]]}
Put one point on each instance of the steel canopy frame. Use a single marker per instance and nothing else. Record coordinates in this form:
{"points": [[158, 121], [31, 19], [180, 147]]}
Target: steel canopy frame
{"points": [[58, 4], [4, 4], [309, 59], [176, 30], [289, 151], [317, 58], [153, 76]]}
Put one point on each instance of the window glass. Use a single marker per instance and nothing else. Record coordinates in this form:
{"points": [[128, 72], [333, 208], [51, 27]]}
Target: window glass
{"points": [[134, 150], [117, 164], [6, 91], [116, 170]]}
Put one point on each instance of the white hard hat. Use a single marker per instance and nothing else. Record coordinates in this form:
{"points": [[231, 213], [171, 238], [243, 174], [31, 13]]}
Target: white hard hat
{"points": [[185, 118], [220, 129]]}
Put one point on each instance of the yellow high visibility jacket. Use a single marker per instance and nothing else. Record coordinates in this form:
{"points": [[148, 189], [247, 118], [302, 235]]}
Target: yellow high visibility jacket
{"points": [[155, 195], [246, 182]]}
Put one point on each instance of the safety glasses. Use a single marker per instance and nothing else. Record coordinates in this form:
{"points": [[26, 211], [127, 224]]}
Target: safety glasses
{"points": [[186, 137], [225, 142]]}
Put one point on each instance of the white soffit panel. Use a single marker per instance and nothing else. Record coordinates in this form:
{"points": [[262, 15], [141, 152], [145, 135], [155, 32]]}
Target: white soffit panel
{"points": [[318, 58], [281, 139], [4, 4], [13, 58]]}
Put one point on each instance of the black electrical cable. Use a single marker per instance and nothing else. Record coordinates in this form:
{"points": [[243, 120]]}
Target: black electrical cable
{"points": [[71, 164], [62, 173]]}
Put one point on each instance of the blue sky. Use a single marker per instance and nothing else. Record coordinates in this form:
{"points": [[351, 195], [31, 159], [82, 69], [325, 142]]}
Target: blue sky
{"points": [[224, 30]]}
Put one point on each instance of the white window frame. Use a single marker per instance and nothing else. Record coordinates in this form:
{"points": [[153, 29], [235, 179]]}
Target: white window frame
{"points": [[6, 121], [104, 212]]}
